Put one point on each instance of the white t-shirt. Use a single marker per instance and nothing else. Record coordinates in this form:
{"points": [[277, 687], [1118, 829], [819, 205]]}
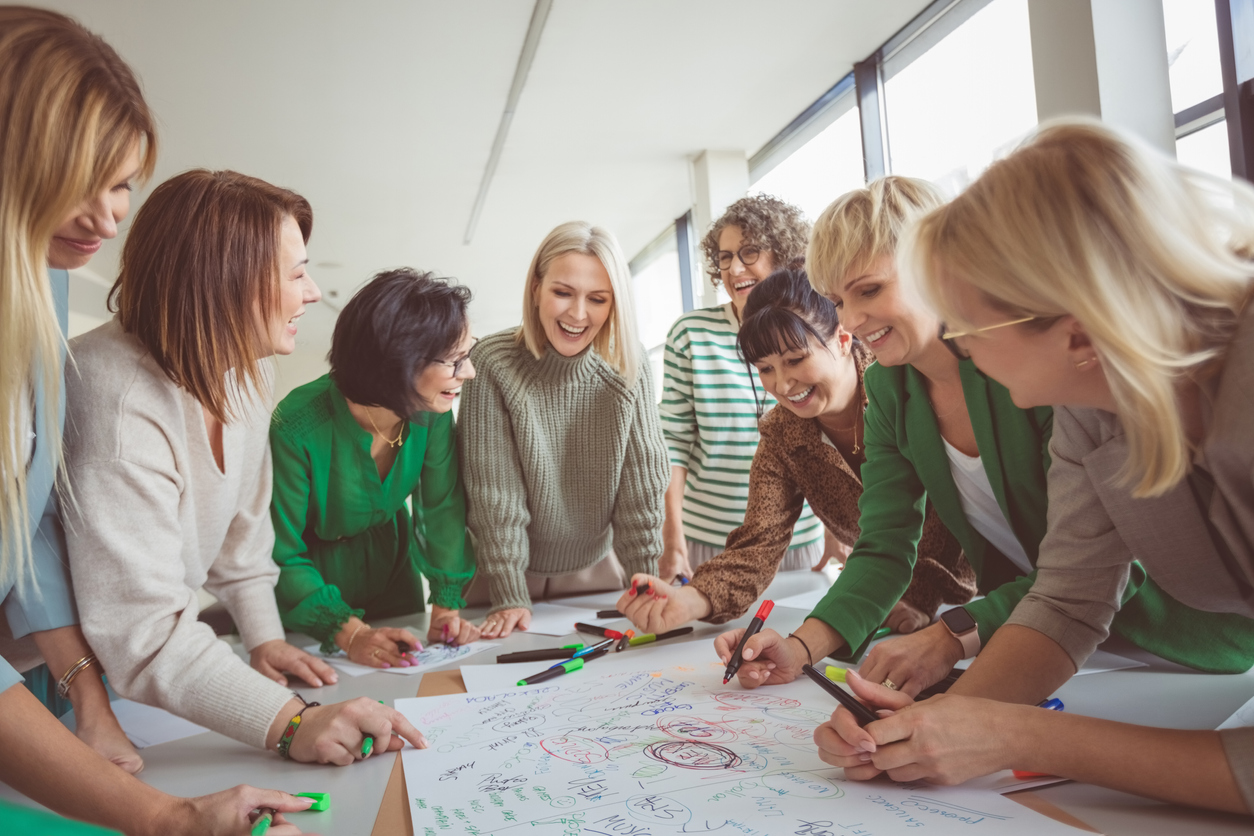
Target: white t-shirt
{"points": [[979, 503]]}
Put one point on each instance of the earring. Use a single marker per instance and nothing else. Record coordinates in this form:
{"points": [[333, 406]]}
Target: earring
{"points": [[1084, 363]]}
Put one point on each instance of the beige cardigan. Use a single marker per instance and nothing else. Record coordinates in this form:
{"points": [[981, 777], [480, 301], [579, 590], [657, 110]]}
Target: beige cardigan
{"points": [[1096, 529]]}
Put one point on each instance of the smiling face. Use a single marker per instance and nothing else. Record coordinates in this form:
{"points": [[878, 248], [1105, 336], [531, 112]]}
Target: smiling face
{"points": [[439, 384], [875, 308], [812, 382], [1040, 367], [82, 232], [739, 280], [574, 301], [296, 288]]}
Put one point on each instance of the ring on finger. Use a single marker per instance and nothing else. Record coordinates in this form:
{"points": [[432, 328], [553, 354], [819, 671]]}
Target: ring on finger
{"points": [[375, 654], [889, 684]]}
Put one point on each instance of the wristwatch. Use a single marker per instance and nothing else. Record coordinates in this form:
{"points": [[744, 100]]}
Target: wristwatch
{"points": [[962, 627]]}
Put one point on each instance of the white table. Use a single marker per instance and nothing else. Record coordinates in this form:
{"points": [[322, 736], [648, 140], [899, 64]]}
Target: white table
{"points": [[1162, 694]]}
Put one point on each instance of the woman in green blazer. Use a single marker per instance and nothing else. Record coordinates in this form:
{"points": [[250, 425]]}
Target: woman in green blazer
{"points": [[350, 448], [938, 429]]}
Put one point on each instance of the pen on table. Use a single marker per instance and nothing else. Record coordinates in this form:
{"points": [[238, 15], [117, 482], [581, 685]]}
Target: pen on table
{"points": [[597, 631], [860, 712], [1052, 704], [588, 651], [262, 824], [650, 637], [557, 670], [609, 614], [625, 640], [542, 655], [733, 664]]}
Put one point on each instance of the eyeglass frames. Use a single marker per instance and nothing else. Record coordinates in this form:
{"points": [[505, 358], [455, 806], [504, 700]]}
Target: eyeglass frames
{"points": [[460, 363], [747, 254], [947, 336]]}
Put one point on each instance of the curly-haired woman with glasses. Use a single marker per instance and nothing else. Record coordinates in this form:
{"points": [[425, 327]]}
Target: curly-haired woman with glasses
{"points": [[350, 448], [710, 405]]}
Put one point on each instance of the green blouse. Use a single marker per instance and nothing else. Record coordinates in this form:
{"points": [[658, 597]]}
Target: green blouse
{"points": [[906, 465], [344, 539]]}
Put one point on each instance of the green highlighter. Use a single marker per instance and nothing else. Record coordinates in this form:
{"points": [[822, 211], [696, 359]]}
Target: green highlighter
{"points": [[322, 800], [834, 673], [263, 822]]}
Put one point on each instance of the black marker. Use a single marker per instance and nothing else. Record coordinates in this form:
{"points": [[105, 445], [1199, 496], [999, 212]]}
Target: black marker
{"points": [[860, 712], [609, 614], [755, 625]]}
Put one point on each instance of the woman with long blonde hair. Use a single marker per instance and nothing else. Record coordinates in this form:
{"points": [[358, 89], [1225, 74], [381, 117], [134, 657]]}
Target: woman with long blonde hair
{"points": [[560, 444], [75, 134], [1087, 271]]}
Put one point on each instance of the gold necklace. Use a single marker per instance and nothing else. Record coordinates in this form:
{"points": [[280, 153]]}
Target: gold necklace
{"points": [[857, 405], [399, 442]]}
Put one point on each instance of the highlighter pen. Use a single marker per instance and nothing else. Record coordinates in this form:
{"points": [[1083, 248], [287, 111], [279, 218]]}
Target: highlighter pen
{"points": [[860, 712], [597, 631], [609, 614], [543, 655], [835, 674], [588, 651], [881, 633], [755, 625], [553, 672], [262, 824], [1053, 704], [650, 637]]}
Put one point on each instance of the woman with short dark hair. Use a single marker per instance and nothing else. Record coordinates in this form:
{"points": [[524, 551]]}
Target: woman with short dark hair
{"points": [[350, 448]]}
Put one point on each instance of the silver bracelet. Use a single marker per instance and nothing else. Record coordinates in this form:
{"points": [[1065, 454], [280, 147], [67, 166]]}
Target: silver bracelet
{"points": [[63, 687]]}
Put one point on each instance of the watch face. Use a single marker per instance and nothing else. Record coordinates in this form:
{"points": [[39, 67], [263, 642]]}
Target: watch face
{"points": [[958, 620]]}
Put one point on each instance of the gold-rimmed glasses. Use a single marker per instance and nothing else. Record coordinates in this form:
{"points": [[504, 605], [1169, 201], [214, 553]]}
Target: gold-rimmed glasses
{"points": [[947, 336]]}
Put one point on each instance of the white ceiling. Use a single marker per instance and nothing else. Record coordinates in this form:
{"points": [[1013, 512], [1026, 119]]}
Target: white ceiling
{"points": [[382, 114]]}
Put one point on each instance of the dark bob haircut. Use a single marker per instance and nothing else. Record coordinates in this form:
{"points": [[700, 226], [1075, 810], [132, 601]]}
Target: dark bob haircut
{"points": [[782, 313], [391, 330]]}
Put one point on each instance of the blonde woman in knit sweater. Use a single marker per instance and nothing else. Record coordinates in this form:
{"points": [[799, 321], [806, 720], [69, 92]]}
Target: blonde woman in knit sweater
{"points": [[561, 448]]}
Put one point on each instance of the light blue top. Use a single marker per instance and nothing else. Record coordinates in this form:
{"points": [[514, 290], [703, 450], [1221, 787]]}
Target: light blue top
{"points": [[27, 610]]}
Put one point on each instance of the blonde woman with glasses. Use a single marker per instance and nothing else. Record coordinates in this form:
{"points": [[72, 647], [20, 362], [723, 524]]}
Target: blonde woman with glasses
{"points": [[1088, 271], [77, 134], [560, 445]]}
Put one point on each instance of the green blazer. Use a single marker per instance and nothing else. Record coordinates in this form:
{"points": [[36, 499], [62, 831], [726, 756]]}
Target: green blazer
{"points": [[906, 465]]}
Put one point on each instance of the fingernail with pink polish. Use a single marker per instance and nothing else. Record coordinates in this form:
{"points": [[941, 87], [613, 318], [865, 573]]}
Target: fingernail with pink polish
{"points": [[387, 664], [864, 757]]}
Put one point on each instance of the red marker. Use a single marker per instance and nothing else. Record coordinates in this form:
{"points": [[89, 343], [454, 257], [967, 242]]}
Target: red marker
{"points": [[754, 626], [597, 631]]}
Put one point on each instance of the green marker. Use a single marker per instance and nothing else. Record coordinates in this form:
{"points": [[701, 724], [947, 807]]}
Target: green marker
{"points": [[322, 800], [881, 633], [263, 822], [367, 745], [834, 673], [557, 670]]}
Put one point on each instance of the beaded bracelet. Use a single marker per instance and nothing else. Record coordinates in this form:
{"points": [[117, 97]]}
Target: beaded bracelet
{"points": [[285, 742]]}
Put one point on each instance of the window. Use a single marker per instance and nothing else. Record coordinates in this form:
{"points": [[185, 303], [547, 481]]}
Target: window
{"points": [[1192, 52], [656, 283], [821, 170], [966, 101], [1207, 150]]}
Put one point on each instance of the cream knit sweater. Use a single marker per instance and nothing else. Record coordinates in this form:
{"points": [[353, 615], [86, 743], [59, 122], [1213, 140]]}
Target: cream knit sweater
{"points": [[154, 520], [562, 459]]}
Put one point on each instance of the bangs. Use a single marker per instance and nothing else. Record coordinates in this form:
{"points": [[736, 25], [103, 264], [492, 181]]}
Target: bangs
{"points": [[774, 331]]}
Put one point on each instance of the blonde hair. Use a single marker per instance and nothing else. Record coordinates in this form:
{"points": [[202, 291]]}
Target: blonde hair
{"points": [[1151, 258], [864, 224], [617, 341], [70, 112]]}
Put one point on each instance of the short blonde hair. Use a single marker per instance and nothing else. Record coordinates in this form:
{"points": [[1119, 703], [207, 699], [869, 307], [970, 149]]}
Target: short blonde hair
{"points": [[864, 224], [1152, 259], [617, 341]]}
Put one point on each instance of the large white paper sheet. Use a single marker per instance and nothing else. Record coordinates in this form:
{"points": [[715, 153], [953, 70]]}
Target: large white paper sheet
{"points": [[1099, 662], [424, 660], [559, 620], [804, 601], [1241, 718], [655, 753]]}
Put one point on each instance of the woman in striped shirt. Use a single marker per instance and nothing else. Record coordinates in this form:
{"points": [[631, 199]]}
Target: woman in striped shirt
{"points": [[710, 406]]}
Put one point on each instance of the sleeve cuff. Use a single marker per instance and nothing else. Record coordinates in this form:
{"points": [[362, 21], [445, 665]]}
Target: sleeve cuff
{"points": [[1078, 640], [447, 595], [507, 591], [256, 614]]}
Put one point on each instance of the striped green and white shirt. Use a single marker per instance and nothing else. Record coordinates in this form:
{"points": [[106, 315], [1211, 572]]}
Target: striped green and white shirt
{"points": [[709, 419]]}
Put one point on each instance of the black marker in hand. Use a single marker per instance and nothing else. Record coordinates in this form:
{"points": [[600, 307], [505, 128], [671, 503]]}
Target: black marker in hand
{"points": [[755, 625]]}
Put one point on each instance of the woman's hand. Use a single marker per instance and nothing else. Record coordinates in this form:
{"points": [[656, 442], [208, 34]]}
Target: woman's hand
{"points": [[335, 733], [913, 662], [501, 623], [945, 740], [904, 618], [231, 813], [833, 549], [674, 562], [105, 735], [448, 627], [769, 658], [663, 607], [276, 657], [379, 647]]}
